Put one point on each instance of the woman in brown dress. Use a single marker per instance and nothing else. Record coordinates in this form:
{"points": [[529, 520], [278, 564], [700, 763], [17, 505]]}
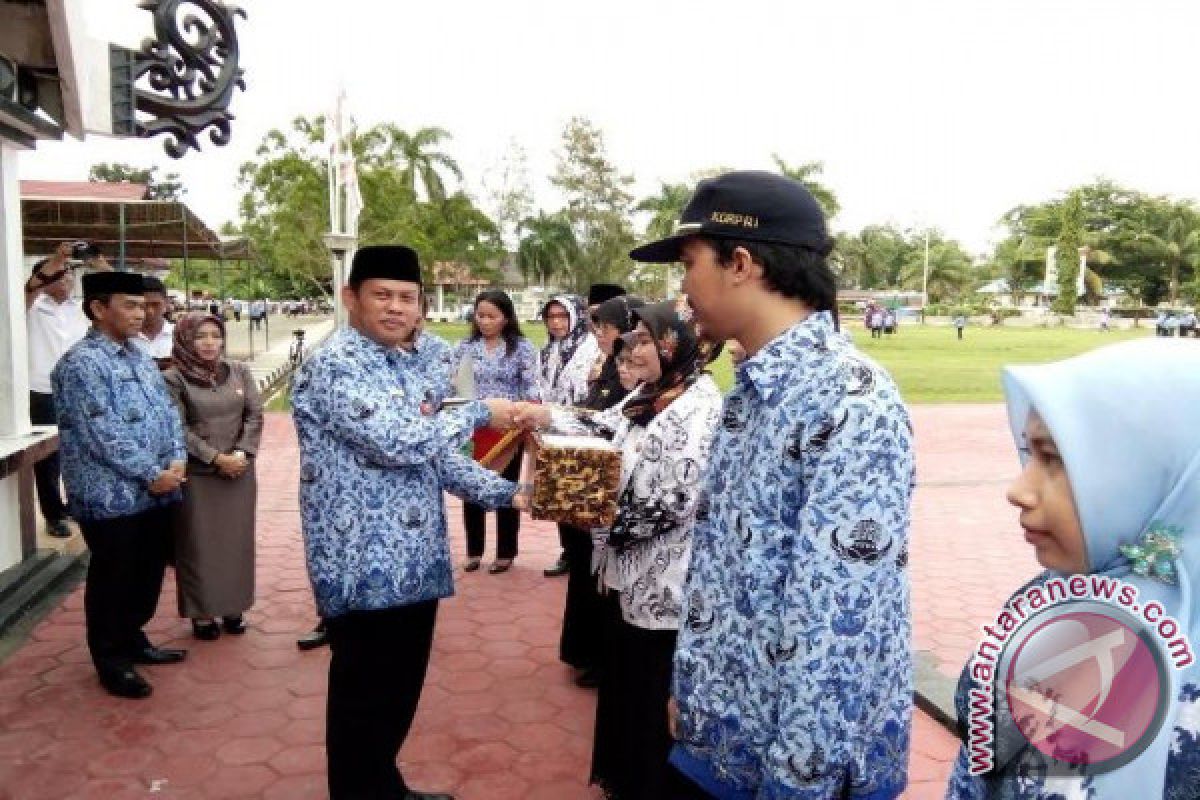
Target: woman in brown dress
{"points": [[214, 531]]}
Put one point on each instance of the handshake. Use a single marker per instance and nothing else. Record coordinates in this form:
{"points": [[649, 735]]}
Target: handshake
{"points": [[507, 415]]}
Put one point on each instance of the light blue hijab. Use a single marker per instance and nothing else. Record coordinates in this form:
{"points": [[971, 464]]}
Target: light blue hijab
{"points": [[1126, 420]]}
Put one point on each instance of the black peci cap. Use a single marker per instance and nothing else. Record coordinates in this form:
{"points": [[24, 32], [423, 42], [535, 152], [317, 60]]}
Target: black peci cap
{"points": [[95, 283], [750, 206], [393, 262], [599, 292], [153, 284]]}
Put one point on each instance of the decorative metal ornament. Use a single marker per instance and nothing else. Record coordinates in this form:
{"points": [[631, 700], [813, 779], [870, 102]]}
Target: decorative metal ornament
{"points": [[191, 67], [1155, 554]]}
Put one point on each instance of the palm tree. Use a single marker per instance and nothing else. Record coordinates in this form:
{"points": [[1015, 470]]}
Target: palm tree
{"points": [[949, 270], [1178, 245], [418, 160], [807, 174], [666, 206], [548, 248]]}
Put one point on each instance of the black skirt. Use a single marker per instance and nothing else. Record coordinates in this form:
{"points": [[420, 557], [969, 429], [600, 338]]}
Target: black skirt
{"points": [[581, 629], [632, 741]]}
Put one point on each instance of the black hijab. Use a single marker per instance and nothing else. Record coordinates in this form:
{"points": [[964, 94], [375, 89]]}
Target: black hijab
{"points": [[684, 357], [605, 390]]}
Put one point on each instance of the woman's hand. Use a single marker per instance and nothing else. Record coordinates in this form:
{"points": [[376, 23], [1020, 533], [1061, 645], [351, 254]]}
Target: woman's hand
{"points": [[230, 466]]}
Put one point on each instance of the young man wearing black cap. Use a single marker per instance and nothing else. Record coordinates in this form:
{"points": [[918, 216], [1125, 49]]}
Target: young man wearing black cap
{"points": [[123, 458], [798, 592], [374, 461]]}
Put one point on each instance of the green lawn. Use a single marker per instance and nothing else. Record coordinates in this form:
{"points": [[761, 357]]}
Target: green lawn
{"points": [[929, 363]]}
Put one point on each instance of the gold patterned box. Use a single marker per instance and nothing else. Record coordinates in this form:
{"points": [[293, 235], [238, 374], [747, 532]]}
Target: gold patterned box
{"points": [[575, 480]]}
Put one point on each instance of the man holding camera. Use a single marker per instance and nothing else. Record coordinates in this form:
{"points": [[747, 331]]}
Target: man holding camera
{"points": [[54, 322]]}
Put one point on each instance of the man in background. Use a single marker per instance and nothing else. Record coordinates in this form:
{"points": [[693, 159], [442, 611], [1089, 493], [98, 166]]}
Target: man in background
{"points": [[158, 335], [54, 322]]}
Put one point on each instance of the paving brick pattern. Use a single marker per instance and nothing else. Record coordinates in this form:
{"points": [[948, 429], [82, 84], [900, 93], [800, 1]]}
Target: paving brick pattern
{"points": [[968, 552], [244, 716]]}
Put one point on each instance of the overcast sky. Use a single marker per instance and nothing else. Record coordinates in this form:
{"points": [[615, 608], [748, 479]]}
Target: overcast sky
{"points": [[924, 112]]}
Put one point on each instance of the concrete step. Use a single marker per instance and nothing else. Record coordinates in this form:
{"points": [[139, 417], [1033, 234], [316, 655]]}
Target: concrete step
{"points": [[42, 577]]}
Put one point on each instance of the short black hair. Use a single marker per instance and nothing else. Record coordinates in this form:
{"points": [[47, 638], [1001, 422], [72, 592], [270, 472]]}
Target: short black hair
{"points": [[800, 273], [87, 304]]}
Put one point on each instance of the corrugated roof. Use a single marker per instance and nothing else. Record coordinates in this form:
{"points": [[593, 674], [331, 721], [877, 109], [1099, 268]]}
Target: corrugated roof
{"points": [[83, 190]]}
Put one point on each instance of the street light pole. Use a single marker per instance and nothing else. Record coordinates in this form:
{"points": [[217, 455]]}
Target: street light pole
{"points": [[925, 274]]}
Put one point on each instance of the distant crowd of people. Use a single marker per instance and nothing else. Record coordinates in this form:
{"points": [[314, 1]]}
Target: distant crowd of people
{"points": [[1168, 324]]}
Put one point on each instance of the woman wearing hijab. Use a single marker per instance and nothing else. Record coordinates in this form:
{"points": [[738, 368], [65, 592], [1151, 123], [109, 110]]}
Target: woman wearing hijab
{"points": [[1110, 488], [581, 631], [222, 419], [664, 429], [564, 366]]}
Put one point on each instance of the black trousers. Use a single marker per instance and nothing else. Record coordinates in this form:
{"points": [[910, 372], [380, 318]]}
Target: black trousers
{"points": [[376, 673], [46, 471], [582, 621], [632, 741], [508, 521], [124, 580]]}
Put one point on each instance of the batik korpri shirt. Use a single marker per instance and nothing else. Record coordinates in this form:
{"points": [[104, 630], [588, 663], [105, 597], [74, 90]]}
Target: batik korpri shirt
{"points": [[372, 472], [435, 353], [793, 671], [117, 426], [498, 373]]}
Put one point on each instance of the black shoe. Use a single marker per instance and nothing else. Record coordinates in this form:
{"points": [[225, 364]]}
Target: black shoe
{"points": [[235, 625], [159, 655], [588, 679], [126, 683], [558, 569], [471, 565], [411, 795], [312, 641], [500, 565], [59, 529], [205, 629]]}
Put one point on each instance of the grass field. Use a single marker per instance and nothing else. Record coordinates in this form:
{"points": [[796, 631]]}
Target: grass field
{"points": [[929, 363]]}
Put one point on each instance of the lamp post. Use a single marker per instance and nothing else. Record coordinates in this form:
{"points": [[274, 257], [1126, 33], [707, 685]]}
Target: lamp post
{"points": [[925, 276]]}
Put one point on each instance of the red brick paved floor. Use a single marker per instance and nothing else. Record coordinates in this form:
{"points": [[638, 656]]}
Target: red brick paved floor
{"points": [[244, 716], [967, 553]]}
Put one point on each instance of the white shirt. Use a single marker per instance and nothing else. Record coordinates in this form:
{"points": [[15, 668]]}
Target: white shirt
{"points": [[160, 345], [52, 329]]}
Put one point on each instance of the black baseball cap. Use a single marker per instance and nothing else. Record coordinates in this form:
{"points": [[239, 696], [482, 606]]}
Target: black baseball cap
{"points": [[749, 205]]}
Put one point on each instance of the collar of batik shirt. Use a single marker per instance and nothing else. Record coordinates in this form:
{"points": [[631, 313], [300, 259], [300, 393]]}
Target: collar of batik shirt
{"points": [[769, 371], [110, 347]]}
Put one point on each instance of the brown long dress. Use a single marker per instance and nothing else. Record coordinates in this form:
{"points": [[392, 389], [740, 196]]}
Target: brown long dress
{"points": [[214, 528]]}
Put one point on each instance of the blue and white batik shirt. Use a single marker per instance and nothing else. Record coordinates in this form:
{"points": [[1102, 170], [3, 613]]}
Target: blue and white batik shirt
{"points": [[372, 472], [793, 672], [117, 426]]}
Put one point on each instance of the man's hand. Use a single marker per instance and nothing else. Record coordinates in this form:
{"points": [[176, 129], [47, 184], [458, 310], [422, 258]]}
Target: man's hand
{"points": [[672, 717], [166, 482], [531, 416], [501, 413], [522, 499], [180, 469]]}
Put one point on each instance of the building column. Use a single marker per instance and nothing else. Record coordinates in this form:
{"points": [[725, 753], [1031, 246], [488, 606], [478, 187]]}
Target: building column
{"points": [[14, 360], [14, 363]]}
